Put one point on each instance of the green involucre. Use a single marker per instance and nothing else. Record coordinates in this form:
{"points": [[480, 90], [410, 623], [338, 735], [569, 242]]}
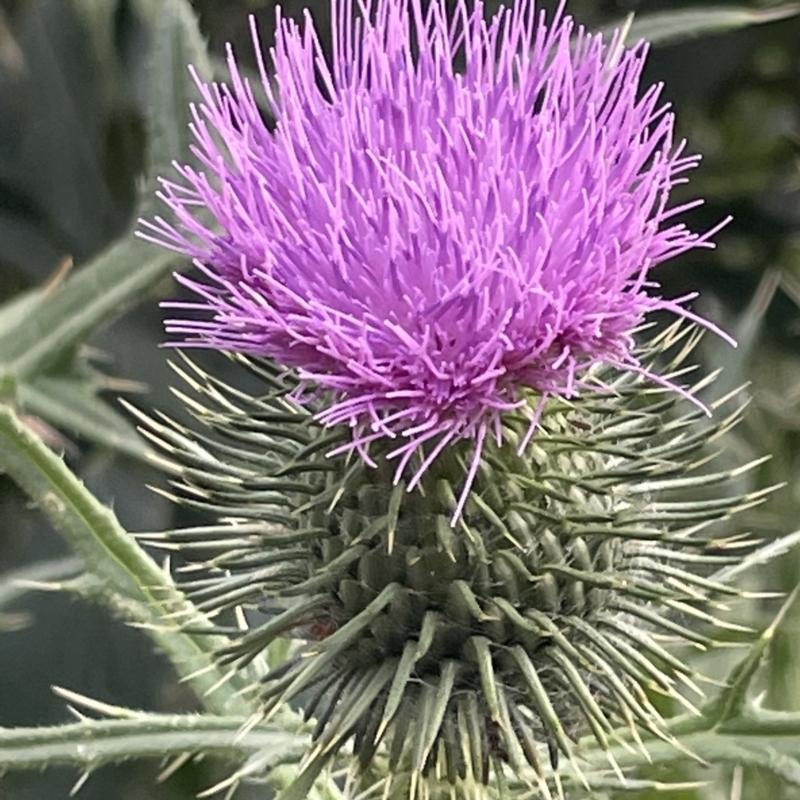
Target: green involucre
{"points": [[452, 651]]}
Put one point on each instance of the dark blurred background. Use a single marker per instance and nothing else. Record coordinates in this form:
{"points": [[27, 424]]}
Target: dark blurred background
{"points": [[72, 145]]}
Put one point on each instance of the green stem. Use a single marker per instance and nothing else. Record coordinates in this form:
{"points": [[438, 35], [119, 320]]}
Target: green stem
{"points": [[757, 748], [118, 569], [757, 737], [89, 743]]}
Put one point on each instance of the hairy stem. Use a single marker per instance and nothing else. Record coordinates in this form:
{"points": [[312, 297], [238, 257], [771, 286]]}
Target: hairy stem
{"points": [[118, 570], [89, 743]]}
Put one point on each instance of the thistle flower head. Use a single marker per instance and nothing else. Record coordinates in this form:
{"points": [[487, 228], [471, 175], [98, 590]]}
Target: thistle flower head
{"points": [[429, 265], [426, 246]]}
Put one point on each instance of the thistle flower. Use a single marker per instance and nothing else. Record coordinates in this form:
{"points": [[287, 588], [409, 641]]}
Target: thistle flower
{"points": [[422, 245], [464, 492]]}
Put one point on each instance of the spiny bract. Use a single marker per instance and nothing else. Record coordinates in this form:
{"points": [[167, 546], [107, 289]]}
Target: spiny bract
{"points": [[541, 615]]}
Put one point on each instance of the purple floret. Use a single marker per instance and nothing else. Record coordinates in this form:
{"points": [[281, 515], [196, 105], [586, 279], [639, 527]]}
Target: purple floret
{"points": [[429, 248]]}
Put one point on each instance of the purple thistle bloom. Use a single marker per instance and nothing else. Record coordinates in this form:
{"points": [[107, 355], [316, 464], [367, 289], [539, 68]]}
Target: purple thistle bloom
{"points": [[427, 248]]}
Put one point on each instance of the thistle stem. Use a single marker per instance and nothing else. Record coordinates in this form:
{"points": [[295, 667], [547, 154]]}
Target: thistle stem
{"points": [[117, 568], [89, 743], [767, 739]]}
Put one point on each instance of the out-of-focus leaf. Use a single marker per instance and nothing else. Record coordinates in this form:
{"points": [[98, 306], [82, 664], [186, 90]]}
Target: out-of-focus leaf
{"points": [[177, 44], [746, 330], [64, 190], [732, 701], [17, 310], [71, 404], [670, 27], [101, 20], [39, 329], [67, 314]]}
